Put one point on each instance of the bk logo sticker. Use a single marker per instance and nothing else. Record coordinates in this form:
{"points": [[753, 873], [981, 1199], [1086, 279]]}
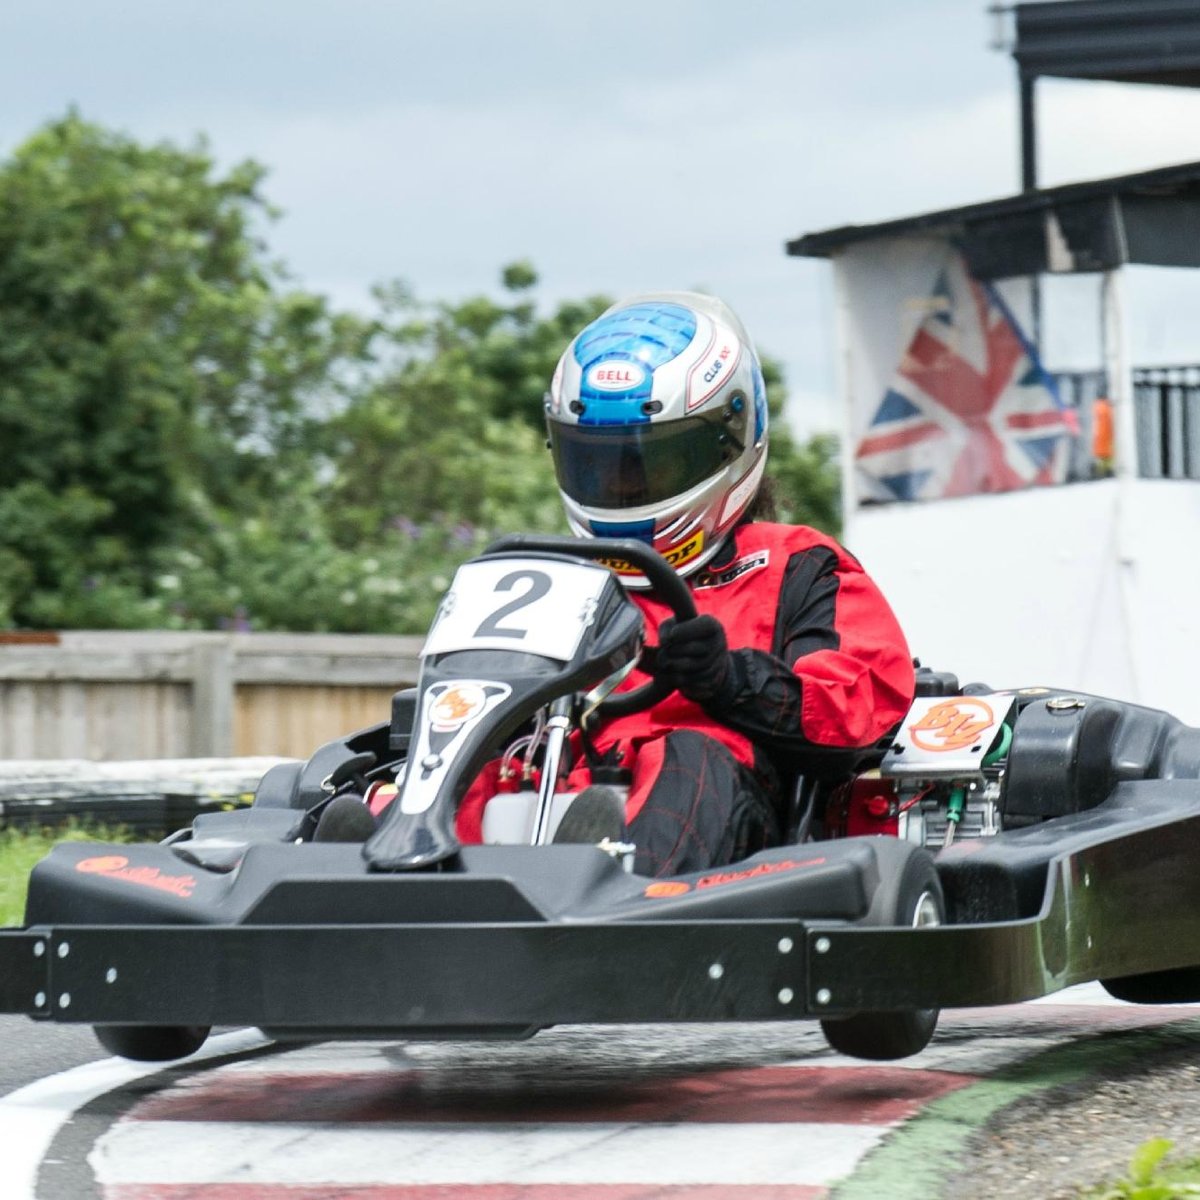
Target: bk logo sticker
{"points": [[953, 724], [457, 705]]}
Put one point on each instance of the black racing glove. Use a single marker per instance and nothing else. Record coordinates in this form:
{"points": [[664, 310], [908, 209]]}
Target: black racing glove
{"points": [[693, 656]]}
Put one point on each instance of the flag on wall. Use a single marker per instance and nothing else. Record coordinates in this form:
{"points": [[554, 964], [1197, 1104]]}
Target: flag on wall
{"points": [[970, 408]]}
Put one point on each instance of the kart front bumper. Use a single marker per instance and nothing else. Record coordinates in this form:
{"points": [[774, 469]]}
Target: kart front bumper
{"points": [[1114, 892], [512, 978]]}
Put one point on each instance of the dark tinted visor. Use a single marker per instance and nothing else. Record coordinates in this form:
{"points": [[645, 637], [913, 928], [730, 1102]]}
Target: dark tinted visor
{"points": [[626, 466]]}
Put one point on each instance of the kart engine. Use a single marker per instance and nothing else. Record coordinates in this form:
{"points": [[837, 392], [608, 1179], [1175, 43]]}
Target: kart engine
{"points": [[939, 780]]}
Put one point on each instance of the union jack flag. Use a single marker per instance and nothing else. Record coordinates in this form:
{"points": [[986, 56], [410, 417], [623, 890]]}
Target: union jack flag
{"points": [[970, 408]]}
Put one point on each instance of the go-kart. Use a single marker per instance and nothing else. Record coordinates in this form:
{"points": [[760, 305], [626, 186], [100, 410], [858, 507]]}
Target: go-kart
{"points": [[997, 847]]}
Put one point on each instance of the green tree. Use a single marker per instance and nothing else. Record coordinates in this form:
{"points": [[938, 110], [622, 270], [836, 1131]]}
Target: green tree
{"points": [[805, 476], [282, 569], [153, 364], [422, 473], [193, 441], [452, 433]]}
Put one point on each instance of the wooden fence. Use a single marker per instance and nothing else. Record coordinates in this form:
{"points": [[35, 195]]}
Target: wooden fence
{"points": [[110, 696]]}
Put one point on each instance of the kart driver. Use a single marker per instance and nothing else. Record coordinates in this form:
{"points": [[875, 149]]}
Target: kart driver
{"points": [[657, 416]]}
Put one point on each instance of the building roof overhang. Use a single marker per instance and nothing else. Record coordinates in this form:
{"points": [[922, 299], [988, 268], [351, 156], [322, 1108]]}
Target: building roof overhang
{"points": [[1152, 217]]}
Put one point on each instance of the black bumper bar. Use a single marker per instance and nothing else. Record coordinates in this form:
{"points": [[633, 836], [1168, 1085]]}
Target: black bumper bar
{"points": [[522, 975], [1115, 892]]}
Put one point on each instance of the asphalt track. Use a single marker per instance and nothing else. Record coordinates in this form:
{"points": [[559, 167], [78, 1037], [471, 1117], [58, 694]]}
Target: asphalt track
{"points": [[577, 1113]]}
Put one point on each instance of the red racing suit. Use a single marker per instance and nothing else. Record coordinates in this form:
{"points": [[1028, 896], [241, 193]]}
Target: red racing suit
{"points": [[819, 668]]}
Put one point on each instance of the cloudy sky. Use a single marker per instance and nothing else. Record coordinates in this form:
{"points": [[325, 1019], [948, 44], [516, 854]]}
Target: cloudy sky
{"points": [[620, 146]]}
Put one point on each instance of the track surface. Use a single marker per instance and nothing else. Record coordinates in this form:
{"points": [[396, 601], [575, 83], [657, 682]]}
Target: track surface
{"points": [[577, 1113]]}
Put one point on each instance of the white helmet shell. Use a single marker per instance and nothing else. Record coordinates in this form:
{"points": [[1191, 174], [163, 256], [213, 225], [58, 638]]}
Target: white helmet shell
{"points": [[657, 416]]}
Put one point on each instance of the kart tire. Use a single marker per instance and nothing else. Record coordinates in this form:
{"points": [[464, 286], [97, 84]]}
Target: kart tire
{"points": [[151, 1043], [1180, 986], [909, 894]]}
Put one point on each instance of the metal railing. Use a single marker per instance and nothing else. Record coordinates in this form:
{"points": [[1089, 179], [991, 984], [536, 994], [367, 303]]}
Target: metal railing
{"points": [[1166, 405]]}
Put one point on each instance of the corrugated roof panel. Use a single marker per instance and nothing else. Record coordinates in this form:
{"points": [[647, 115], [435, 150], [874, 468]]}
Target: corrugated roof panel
{"points": [[1131, 41]]}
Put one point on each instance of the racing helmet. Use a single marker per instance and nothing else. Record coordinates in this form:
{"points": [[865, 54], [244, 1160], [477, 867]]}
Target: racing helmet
{"points": [[657, 419]]}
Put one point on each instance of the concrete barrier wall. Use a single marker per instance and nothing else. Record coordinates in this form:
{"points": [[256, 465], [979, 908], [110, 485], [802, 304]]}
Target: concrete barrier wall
{"points": [[110, 696]]}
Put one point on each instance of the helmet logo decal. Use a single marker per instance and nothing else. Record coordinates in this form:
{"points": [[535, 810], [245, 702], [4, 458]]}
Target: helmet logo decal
{"points": [[615, 376], [714, 366], [676, 556], [718, 364], [618, 354]]}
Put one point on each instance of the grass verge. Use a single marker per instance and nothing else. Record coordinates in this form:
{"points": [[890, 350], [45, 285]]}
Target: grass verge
{"points": [[22, 849], [1150, 1178]]}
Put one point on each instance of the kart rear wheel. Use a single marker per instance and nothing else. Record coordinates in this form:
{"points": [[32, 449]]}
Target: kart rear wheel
{"points": [[151, 1043], [914, 899]]}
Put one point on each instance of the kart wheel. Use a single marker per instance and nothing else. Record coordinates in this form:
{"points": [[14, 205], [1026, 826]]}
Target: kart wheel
{"points": [[915, 899], [151, 1043]]}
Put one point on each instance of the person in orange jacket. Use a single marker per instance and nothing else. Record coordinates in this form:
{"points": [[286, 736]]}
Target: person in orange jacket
{"points": [[1102, 437]]}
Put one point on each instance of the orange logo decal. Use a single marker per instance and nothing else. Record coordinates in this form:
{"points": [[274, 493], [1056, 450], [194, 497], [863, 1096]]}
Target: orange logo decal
{"points": [[952, 724], [104, 865], [756, 872], [116, 866], [457, 705], [656, 891]]}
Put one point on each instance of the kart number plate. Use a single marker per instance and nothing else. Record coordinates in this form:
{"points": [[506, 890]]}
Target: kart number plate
{"points": [[536, 606]]}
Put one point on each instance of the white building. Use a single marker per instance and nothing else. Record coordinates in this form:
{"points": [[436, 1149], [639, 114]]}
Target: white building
{"points": [[1007, 559]]}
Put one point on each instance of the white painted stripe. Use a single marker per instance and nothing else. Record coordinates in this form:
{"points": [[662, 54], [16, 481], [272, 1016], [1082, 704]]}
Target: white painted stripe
{"points": [[32, 1115], [341, 1058], [1084, 993], [184, 1152], [29, 1118]]}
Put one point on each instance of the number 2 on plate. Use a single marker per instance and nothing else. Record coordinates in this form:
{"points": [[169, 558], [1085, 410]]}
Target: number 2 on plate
{"points": [[539, 585]]}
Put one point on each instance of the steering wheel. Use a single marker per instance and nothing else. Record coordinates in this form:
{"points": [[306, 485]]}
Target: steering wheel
{"points": [[665, 584]]}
